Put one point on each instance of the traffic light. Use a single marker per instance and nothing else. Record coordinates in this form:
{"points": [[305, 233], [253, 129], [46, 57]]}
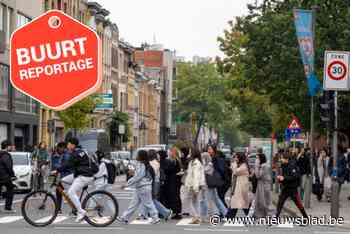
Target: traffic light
{"points": [[327, 108]]}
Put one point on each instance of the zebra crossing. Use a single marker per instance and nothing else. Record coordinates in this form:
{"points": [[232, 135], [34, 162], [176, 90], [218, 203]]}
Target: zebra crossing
{"points": [[69, 220]]}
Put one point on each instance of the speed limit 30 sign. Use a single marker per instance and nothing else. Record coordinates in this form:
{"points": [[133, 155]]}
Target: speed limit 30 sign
{"points": [[336, 70]]}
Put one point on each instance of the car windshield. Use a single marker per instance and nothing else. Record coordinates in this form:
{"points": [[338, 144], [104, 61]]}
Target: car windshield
{"points": [[20, 159]]}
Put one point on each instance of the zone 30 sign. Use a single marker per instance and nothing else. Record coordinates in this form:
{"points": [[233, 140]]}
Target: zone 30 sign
{"points": [[56, 60], [336, 71]]}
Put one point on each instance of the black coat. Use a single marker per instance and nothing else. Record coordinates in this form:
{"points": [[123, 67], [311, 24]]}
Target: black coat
{"points": [[6, 167], [172, 184], [304, 165], [291, 174]]}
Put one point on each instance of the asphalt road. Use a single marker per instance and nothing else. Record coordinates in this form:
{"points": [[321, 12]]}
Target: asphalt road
{"points": [[14, 223]]}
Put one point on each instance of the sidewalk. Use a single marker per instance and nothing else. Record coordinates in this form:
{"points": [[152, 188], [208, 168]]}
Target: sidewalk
{"points": [[322, 208]]}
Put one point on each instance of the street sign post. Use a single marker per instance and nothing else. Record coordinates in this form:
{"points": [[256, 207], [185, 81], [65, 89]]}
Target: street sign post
{"points": [[336, 71], [294, 128], [56, 60], [336, 78]]}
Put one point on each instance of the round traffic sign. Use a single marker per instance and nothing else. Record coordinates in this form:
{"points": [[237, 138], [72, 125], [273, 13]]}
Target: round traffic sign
{"points": [[337, 70]]}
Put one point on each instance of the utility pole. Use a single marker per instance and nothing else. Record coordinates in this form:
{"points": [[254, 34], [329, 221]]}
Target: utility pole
{"points": [[335, 185]]}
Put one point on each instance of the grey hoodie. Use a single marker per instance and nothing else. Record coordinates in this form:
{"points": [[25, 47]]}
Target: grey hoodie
{"points": [[140, 178]]}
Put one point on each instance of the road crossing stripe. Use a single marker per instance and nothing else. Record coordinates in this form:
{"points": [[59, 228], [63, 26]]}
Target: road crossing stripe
{"points": [[285, 225], [15, 201], [141, 222], [43, 220], [186, 222], [230, 224], [10, 219], [60, 218]]}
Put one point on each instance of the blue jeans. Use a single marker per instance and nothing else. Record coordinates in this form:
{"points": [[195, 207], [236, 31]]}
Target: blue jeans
{"points": [[142, 197], [162, 210], [213, 198]]}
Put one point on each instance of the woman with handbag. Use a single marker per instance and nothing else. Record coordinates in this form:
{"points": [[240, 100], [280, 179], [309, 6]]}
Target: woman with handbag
{"points": [[213, 181], [240, 186], [195, 184]]}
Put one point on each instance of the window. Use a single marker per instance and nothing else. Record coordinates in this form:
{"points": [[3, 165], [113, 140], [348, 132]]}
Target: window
{"points": [[22, 20], [59, 4], [8, 30], [20, 101], [47, 7], [4, 87], [2, 17], [65, 7]]}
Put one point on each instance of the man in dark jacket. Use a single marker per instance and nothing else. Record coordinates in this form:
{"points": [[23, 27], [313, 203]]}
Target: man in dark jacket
{"points": [[290, 180], [7, 175], [83, 171]]}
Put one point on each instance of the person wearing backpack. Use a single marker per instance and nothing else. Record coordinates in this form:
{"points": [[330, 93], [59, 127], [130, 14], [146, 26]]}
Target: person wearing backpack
{"points": [[142, 181], [106, 174], [84, 168]]}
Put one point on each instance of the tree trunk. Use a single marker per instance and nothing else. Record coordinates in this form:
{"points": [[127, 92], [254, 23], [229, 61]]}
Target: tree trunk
{"points": [[200, 123]]}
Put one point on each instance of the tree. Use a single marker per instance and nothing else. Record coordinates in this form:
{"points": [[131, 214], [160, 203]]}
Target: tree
{"points": [[77, 116], [119, 118], [200, 95], [262, 55]]}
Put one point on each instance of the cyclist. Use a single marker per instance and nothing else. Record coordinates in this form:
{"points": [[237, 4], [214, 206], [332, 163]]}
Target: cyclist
{"points": [[83, 168], [59, 159]]}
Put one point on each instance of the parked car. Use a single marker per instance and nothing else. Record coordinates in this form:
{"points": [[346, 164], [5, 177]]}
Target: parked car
{"points": [[157, 146], [131, 164], [121, 160], [22, 167]]}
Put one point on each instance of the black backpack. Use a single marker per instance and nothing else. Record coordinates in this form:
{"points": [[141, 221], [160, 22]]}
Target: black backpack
{"points": [[111, 172]]}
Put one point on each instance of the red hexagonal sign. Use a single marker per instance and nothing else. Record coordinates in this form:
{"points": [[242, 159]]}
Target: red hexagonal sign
{"points": [[56, 60]]}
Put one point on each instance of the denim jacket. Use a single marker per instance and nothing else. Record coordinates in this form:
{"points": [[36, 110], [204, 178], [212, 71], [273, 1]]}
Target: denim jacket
{"points": [[140, 178]]}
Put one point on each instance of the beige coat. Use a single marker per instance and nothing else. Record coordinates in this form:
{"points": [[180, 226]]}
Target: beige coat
{"points": [[240, 199], [195, 178]]}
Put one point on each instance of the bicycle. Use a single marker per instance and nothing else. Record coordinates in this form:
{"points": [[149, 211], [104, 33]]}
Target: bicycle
{"points": [[40, 208]]}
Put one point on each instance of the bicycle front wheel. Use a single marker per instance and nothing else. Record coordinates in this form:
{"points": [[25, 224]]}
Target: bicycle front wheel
{"points": [[39, 208], [102, 208]]}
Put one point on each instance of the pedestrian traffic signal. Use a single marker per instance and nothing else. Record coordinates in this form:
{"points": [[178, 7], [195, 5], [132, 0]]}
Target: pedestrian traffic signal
{"points": [[327, 107]]}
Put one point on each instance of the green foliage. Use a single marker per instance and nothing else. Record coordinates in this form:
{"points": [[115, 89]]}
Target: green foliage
{"points": [[200, 91], [77, 116], [119, 118], [262, 57]]}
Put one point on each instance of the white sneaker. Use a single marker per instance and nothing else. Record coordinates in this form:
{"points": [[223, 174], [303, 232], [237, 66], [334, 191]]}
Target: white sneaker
{"points": [[80, 217]]}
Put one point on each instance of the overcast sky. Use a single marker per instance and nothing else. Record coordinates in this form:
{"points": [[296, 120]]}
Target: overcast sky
{"points": [[188, 26]]}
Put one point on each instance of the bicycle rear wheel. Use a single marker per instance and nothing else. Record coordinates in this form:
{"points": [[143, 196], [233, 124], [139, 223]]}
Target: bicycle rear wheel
{"points": [[102, 208], [39, 208]]}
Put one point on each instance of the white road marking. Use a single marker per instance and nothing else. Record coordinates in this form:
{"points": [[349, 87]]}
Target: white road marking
{"points": [[186, 222], [43, 220], [142, 222], [15, 201], [285, 225], [10, 219], [230, 224], [60, 218]]}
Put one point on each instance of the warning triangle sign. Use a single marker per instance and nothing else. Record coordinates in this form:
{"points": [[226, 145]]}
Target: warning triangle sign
{"points": [[294, 124]]}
